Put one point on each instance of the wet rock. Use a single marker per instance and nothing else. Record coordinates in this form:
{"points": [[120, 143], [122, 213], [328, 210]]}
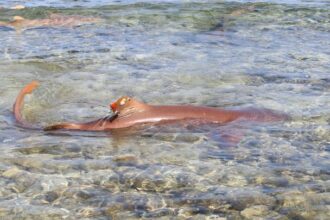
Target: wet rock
{"points": [[125, 158], [52, 183], [312, 204], [113, 209], [200, 203], [21, 180], [105, 178], [215, 217], [4, 212], [188, 212], [19, 208], [12, 172], [43, 199], [255, 211], [292, 199], [187, 138], [272, 181], [160, 213], [5, 192], [156, 203], [51, 196], [84, 194], [134, 203], [158, 178], [31, 163], [236, 180], [241, 200], [260, 212], [317, 214], [127, 215], [89, 212]]}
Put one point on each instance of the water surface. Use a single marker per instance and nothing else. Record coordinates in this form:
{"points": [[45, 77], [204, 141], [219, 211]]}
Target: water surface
{"points": [[235, 54]]}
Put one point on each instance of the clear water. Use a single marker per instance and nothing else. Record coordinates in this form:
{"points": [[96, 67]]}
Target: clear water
{"points": [[273, 54]]}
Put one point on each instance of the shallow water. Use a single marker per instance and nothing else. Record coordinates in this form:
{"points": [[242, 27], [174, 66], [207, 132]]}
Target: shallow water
{"points": [[272, 54]]}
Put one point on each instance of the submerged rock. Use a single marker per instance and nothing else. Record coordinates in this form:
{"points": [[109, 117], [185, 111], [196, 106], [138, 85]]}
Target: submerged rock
{"points": [[54, 20], [261, 212]]}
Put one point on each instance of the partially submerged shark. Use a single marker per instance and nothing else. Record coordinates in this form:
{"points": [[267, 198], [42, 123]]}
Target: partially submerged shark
{"points": [[129, 112]]}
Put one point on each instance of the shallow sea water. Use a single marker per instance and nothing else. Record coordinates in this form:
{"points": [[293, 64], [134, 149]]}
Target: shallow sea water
{"points": [[239, 54]]}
